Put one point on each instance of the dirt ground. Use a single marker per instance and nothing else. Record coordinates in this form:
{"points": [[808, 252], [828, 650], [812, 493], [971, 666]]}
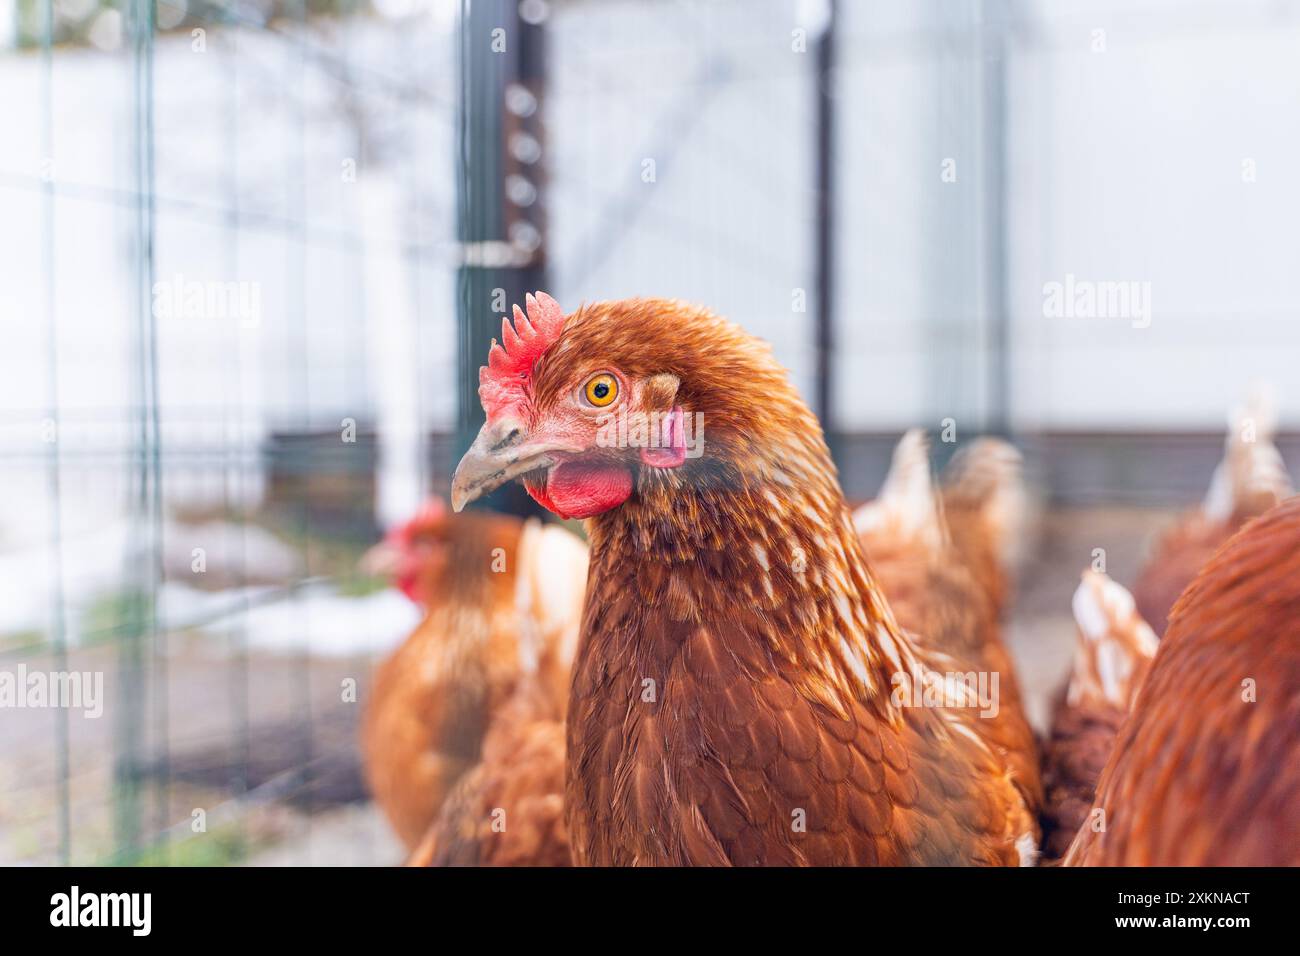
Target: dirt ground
{"points": [[265, 746], [260, 750]]}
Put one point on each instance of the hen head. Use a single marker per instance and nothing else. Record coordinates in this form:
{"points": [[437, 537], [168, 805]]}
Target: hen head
{"points": [[585, 408], [422, 553]]}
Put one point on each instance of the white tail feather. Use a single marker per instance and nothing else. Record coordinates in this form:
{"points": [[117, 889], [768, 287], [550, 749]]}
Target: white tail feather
{"points": [[987, 475], [1115, 645], [1252, 476], [906, 500]]}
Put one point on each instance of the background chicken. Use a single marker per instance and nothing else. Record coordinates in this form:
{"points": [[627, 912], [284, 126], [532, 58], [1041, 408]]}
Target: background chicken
{"points": [[949, 597], [433, 701], [1115, 648], [1204, 769], [1251, 479], [508, 810], [985, 508], [743, 693]]}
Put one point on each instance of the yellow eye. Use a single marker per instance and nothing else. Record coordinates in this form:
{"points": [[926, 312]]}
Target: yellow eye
{"points": [[601, 390]]}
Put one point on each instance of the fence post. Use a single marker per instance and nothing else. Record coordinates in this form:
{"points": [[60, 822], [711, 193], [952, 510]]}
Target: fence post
{"points": [[500, 187]]}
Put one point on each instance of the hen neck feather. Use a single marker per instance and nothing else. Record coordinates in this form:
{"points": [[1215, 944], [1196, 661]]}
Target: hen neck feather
{"points": [[757, 533]]}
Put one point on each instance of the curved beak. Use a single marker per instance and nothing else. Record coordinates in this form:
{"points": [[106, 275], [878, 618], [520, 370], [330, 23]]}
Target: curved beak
{"points": [[500, 453]]}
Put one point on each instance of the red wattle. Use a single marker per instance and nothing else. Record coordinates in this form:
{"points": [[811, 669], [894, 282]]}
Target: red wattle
{"points": [[578, 489], [538, 494], [407, 583]]}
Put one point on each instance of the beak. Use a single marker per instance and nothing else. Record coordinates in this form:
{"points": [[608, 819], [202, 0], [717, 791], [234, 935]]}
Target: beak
{"points": [[500, 453]]}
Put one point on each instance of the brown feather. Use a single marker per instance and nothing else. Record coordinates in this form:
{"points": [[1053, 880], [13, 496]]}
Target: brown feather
{"points": [[435, 699], [1113, 654], [950, 596], [1203, 769], [1250, 480], [509, 809], [745, 560], [1178, 555], [431, 701]]}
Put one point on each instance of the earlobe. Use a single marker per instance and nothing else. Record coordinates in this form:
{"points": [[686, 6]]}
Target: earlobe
{"points": [[671, 452], [658, 398]]}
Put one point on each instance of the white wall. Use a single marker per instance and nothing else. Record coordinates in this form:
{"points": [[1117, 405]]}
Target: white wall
{"points": [[1127, 164]]}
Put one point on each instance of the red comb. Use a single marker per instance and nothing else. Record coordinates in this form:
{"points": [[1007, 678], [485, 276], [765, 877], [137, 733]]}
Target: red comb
{"points": [[503, 382], [433, 510], [431, 513]]}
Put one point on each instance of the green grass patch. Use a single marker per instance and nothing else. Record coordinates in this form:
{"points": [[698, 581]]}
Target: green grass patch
{"points": [[226, 845]]}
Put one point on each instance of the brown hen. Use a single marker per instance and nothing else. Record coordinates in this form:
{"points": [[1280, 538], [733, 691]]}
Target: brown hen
{"points": [[742, 693], [1203, 772], [1114, 650], [984, 508], [1251, 479], [433, 700], [949, 597], [508, 810]]}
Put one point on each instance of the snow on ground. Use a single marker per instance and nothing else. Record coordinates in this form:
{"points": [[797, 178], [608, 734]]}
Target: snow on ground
{"points": [[314, 619], [97, 566]]}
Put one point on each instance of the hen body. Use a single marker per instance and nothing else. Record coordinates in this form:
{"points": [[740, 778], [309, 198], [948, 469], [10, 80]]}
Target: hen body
{"points": [[733, 697], [508, 810], [1114, 651], [1203, 770], [1116, 643], [1250, 480], [950, 598], [984, 505], [434, 700]]}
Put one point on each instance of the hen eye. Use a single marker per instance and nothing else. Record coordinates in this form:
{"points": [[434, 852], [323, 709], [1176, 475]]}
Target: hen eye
{"points": [[601, 390]]}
